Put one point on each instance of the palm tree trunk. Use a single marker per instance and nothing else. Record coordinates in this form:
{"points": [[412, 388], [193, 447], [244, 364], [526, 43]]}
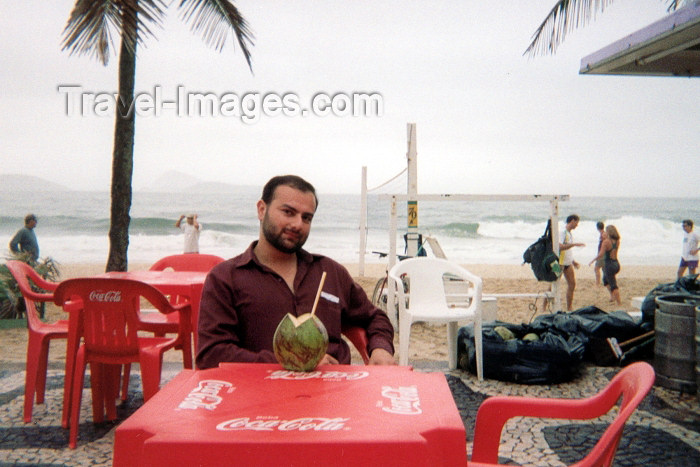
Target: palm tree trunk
{"points": [[122, 161]]}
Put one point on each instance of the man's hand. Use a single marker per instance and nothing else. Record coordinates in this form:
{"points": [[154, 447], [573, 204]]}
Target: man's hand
{"points": [[381, 357], [328, 360]]}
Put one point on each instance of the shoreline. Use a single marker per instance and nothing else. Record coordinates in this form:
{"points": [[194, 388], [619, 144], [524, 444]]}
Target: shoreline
{"points": [[634, 281], [377, 270], [523, 271]]}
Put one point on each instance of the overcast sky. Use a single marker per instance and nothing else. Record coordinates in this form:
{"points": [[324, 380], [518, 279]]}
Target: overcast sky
{"points": [[489, 120]]}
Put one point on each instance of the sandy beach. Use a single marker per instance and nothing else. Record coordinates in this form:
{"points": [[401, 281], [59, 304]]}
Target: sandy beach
{"points": [[427, 341]]}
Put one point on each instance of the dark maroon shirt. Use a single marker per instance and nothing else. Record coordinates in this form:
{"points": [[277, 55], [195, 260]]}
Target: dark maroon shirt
{"points": [[243, 301]]}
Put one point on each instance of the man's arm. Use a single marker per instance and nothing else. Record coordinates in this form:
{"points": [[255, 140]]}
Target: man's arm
{"points": [[16, 242], [696, 239], [218, 338], [381, 357], [567, 246], [179, 221], [380, 331], [196, 224]]}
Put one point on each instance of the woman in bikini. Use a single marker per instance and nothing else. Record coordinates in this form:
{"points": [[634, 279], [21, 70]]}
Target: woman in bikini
{"points": [[608, 252]]}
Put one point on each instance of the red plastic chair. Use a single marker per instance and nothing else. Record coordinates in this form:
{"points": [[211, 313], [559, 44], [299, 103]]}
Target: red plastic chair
{"points": [[159, 324], [40, 333], [108, 323], [358, 338], [187, 262], [631, 384]]}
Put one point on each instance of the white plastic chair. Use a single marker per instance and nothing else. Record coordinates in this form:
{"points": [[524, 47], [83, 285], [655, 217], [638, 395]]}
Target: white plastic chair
{"points": [[427, 301]]}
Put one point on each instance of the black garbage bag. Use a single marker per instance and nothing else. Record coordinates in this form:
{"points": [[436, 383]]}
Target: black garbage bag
{"points": [[553, 358], [591, 324], [685, 285]]}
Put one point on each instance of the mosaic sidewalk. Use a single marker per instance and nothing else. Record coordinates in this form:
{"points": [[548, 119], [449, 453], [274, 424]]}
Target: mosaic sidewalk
{"points": [[665, 430]]}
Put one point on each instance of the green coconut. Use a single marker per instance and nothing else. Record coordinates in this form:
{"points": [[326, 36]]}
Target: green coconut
{"points": [[505, 333], [300, 342], [531, 336]]}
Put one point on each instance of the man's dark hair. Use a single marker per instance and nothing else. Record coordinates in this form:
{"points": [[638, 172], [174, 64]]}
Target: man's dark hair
{"points": [[572, 217], [28, 218], [599, 225], [292, 181], [688, 222]]}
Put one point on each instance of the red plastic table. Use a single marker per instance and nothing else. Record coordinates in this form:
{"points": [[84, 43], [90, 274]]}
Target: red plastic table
{"points": [[188, 283], [262, 415]]}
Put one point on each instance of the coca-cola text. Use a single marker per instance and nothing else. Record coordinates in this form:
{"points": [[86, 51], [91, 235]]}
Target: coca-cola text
{"points": [[404, 400], [304, 375], [109, 296], [297, 424], [205, 395]]}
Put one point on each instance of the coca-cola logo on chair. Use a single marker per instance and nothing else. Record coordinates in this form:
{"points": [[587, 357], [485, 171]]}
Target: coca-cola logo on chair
{"points": [[109, 296]]}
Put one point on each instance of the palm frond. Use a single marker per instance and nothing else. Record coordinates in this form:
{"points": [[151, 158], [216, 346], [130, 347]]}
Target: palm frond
{"points": [[567, 15], [93, 24], [214, 19]]}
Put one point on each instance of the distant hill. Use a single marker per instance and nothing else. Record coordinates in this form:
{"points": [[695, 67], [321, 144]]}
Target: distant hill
{"points": [[169, 182], [173, 181], [16, 183]]}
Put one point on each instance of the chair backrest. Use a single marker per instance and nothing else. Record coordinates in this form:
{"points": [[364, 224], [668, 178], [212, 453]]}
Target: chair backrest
{"points": [[629, 386], [196, 262], [23, 273], [110, 311], [358, 337], [427, 280], [436, 248], [632, 384]]}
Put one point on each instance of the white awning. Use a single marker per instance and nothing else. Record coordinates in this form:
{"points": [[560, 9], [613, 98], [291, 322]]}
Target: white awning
{"points": [[668, 47]]}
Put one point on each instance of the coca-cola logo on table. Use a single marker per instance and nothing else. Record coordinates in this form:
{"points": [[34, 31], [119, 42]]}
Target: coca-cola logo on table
{"points": [[297, 424], [403, 400], [109, 296], [205, 395], [327, 375]]}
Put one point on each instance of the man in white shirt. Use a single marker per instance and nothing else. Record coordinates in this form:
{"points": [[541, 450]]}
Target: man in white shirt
{"points": [[566, 258], [191, 229], [689, 256]]}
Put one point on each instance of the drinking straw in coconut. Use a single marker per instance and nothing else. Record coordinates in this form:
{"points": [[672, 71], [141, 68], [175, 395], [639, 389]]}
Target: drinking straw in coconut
{"points": [[318, 294]]}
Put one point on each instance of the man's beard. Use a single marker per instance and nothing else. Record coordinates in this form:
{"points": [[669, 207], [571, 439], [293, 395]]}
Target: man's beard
{"points": [[274, 238]]}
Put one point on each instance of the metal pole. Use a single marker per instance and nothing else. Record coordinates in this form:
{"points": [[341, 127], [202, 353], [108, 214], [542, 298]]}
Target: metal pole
{"points": [[391, 290], [363, 221], [554, 217], [412, 191]]}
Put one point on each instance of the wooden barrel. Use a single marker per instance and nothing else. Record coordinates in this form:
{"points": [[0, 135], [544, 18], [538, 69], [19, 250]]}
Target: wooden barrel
{"points": [[674, 346]]}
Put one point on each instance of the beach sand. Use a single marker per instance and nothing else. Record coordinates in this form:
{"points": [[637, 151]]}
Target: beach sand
{"points": [[427, 341]]}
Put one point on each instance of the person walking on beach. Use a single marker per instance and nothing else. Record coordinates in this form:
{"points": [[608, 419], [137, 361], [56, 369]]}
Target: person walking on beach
{"points": [[689, 255], [246, 297], [599, 263], [25, 240], [566, 257], [608, 253], [191, 229]]}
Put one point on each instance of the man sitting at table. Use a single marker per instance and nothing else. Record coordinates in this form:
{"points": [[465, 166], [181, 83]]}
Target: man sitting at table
{"points": [[246, 297]]}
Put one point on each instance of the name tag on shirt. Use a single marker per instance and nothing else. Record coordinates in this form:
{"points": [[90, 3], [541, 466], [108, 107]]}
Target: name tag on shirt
{"points": [[330, 297]]}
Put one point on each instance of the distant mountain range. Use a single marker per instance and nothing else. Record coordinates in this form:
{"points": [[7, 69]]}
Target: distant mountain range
{"points": [[177, 181], [169, 182], [16, 183]]}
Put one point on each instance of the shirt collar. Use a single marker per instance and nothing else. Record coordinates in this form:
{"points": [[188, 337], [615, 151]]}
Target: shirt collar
{"points": [[248, 257]]}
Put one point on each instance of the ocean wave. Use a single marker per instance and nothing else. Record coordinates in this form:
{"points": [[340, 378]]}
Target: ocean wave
{"points": [[74, 228], [459, 229]]}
